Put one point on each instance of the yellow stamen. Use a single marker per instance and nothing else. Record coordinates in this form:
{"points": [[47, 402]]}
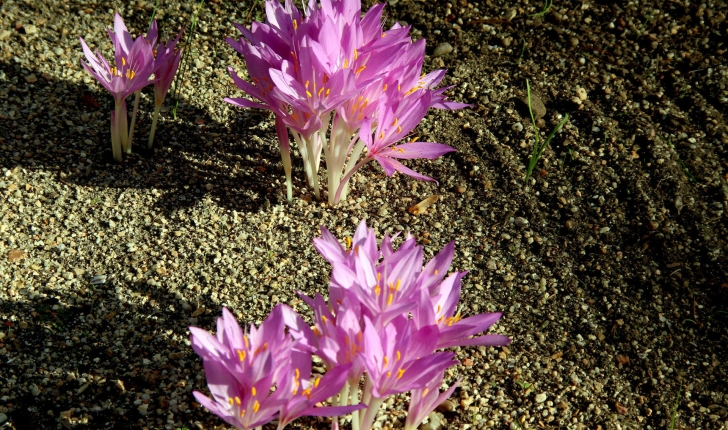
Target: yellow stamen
{"points": [[348, 242], [396, 120], [295, 25], [400, 372], [130, 74], [230, 400], [384, 88], [399, 281], [399, 129], [256, 406], [123, 61], [381, 135], [247, 342], [425, 391], [379, 276], [298, 374], [242, 413], [435, 271], [327, 92], [386, 361], [308, 93], [356, 54], [237, 400], [384, 34], [320, 91], [377, 290], [307, 82], [324, 319], [255, 392], [389, 299], [360, 69], [316, 382], [346, 63], [399, 356], [241, 355]]}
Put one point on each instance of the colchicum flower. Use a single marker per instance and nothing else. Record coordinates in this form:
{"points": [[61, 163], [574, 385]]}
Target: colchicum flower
{"points": [[133, 67], [332, 76], [166, 64], [131, 71], [387, 318]]}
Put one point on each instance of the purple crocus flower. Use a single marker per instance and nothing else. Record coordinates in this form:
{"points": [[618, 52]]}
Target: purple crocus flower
{"points": [[132, 67], [329, 68], [261, 374], [424, 400], [166, 64]]}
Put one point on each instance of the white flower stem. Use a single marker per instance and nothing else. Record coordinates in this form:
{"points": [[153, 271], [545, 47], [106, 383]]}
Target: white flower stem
{"points": [[354, 400], [137, 96], [155, 117], [348, 176], [121, 126], [371, 413], [115, 143]]}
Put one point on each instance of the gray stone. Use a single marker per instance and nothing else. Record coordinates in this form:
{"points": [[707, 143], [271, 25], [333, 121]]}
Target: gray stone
{"points": [[442, 49]]}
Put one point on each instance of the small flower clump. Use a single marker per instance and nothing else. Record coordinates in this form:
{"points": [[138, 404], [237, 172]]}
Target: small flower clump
{"points": [[342, 85], [386, 320], [135, 62]]}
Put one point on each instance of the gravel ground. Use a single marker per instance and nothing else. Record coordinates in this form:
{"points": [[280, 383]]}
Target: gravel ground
{"points": [[609, 264]]}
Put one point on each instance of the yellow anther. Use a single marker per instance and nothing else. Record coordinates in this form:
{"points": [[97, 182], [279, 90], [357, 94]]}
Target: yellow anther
{"points": [[399, 356], [439, 308], [295, 25], [360, 69], [348, 242], [130, 74], [123, 61], [389, 374], [379, 276], [242, 413], [399, 281], [384, 34], [114, 72], [247, 342], [320, 91], [254, 391], [396, 120], [230, 400], [327, 92], [399, 87], [298, 374], [399, 130], [356, 54], [377, 290], [308, 93], [435, 271], [324, 319], [384, 88], [346, 63], [241, 355], [237, 400], [400, 372], [256, 406], [316, 382], [389, 299], [381, 135], [265, 346], [386, 361], [307, 83], [425, 391]]}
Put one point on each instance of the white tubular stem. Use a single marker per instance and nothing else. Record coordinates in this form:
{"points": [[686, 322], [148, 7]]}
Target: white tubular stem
{"points": [[154, 126], [137, 96], [115, 143], [121, 126]]}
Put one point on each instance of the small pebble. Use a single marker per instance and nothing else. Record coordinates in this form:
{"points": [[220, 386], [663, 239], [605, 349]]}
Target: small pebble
{"points": [[31, 78], [442, 49], [540, 398]]}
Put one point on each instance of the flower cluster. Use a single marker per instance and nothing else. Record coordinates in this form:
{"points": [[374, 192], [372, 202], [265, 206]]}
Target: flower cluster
{"points": [[386, 319], [341, 84], [135, 62]]}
